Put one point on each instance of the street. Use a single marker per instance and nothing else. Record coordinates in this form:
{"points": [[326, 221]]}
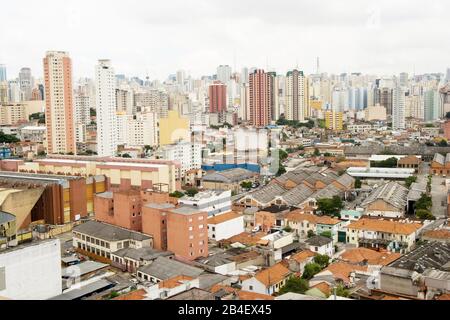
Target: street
{"points": [[438, 191]]}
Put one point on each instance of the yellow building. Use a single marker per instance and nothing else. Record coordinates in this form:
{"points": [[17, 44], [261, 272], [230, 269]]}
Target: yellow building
{"points": [[334, 120], [173, 129], [316, 104]]}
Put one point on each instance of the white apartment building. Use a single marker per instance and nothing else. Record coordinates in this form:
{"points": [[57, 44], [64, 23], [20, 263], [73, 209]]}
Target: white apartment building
{"points": [[398, 109], [212, 202], [82, 108], [106, 109], [188, 154], [139, 130]]}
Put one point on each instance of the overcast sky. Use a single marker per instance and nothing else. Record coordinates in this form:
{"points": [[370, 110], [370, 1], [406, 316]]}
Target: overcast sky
{"points": [[161, 36]]}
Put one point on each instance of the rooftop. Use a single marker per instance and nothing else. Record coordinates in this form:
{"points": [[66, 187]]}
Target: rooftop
{"points": [[164, 268], [6, 217], [224, 218], [186, 211], [109, 232], [386, 226], [391, 192], [318, 241], [272, 275]]}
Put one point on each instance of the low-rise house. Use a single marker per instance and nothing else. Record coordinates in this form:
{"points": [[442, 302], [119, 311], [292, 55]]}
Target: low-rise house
{"points": [[164, 268], [388, 200], [339, 273], [298, 261], [328, 224], [213, 202], [225, 226], [440, 166], [368, 257], [99, 240], [267, 281], [409, 162], [301, 223], [171, 287], [271, 218], [439, 235], [392, 235], [321, 245]]}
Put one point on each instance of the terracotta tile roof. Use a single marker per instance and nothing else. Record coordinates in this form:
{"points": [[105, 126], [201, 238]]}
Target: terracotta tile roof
{"points": [[223, 217], [444, 297], [133, 295], [303, 256], [386, 226], [324, 287], [438, 234], [328, 220], [272, 275], [298, 216], [244, 277], [246, 238], [342, 270], [174, 282], [219, 287], [245, 295], [358, 255]]}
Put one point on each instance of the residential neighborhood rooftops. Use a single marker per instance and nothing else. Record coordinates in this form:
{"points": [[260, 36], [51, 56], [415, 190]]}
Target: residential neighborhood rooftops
{"points": [[371, 257], [392, 193], [229, 176], [140, 254]]}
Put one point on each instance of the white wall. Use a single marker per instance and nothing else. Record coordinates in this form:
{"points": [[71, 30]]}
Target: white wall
{"points": [[32, 272], [226, 229]]}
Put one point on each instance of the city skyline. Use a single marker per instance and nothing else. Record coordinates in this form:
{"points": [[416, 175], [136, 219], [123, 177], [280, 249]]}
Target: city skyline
{"points": [[365, 37]]}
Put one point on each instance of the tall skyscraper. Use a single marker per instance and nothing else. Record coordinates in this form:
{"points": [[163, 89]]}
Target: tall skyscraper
{"points": [[105, 81], [217, 97], [296, 95], [224, 73], [398, 108], [261, 97], [59, 102], [26, 83], [432, 105], [3, 76], [386, 99], [244, 75]]}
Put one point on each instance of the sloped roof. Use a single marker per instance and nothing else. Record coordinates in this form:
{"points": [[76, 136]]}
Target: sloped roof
{"points": [[229, 176], [439, 158], [272, 275], [297, 195], [360, 255], [392, 193], [164, 268], [268, 193], [385, 226]]}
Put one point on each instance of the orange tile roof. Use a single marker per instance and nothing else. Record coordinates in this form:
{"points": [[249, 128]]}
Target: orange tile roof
{"points": [[273, 275], [224, 217], [219, 287], [174, 282], [444, 297], [299, 217], [386, 226], [324, 287], [246, 238], [245, 295], [342, 270], [438, 234], [373, 257], [133, 295], [328, 220], [303, 256]]}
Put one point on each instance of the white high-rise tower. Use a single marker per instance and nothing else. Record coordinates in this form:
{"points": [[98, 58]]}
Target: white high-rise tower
{"points": [[106, 109], [398, 108]]}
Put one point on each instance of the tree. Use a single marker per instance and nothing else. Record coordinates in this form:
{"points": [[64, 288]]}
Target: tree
{"points": [[176, 194], [358, 183], [322, 260], [246, 185], [8, 138], [443, 143], [425, 215], [424, 203], [316, 152], [341, 291], [283, 155], [281, 170], [388, 163], [447, 115], [92, 112], [288, 229], [327, 234], [126, 155], [191, 192], [311, 234], [311, 269], [295, 285], [409, 181], [327, 154], [330, 207]]}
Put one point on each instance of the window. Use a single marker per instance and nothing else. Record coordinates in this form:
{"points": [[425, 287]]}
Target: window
{"points": [[200, 218], [190, 228], [250, 287], [316, 249]]}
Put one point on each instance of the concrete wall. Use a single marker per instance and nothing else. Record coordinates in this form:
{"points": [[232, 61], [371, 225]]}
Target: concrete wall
{"points": [[32, 272]]}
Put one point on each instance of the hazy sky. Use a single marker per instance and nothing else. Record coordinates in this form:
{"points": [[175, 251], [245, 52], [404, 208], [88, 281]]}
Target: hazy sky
{"points": [[160, 37]]}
